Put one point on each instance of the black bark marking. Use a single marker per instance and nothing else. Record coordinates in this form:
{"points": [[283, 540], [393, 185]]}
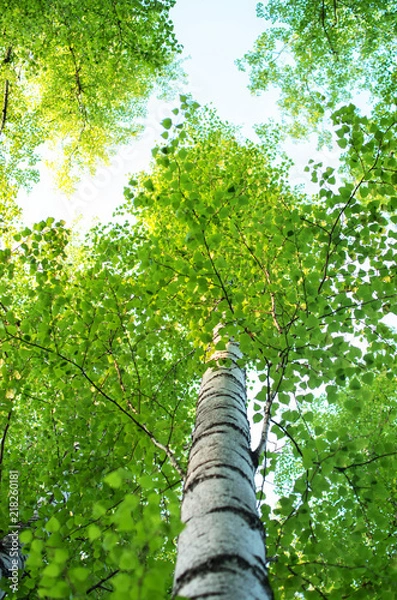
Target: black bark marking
{"points": [[200, 596], [238, 406], [213, 464], [225, 562], [231, 411], [232, 423], [206, 395], [249, 517], [210, 431], [227, 374], [197, 480], [245, 455]]}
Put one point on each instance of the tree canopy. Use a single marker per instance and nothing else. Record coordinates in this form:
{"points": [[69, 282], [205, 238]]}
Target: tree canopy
{"points": [[320, 54], [75, 76]]}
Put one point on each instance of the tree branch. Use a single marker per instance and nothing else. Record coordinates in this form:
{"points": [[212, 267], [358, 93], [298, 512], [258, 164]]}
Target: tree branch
{"points": [[101, 582], [365, 462], [3, 440], [331, 233], [7, 58], [285, 431], [5, 106], [217, 274], [267, 275], [323, 13]]}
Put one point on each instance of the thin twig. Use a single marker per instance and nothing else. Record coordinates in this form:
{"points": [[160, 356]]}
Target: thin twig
{"points": [[100, 583], [3, 440], [5, 106]]}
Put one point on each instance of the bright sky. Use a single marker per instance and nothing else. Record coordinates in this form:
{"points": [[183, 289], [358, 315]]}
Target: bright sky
{"points": [[214, 34]]}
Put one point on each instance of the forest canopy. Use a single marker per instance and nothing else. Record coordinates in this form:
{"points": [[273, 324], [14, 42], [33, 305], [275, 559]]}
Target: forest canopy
{"points": [[104, 341]]}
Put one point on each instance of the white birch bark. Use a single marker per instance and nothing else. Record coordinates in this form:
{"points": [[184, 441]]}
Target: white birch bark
{"points": [[221, 551]]}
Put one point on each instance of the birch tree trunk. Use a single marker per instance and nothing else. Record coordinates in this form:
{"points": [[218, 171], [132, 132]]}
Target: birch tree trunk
{"points": [[221, 551]]}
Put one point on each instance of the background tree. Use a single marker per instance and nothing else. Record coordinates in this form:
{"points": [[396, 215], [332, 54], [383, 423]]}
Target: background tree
{"points": [[75, 76], [321, 53]]}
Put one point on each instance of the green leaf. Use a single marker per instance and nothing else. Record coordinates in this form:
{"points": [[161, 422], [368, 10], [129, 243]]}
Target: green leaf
{"points": [[355, 384], [167, 123], [94, 532], [52, 570], [79, 574], [114, 479], [53, 525]]}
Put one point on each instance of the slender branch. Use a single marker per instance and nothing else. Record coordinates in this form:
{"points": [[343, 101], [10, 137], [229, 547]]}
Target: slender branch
{"points": [[357, 305], [101, 582], [80, 88], [324, 24], [217, 274], [265, 429], [5, 106], [7, 58], [331, 233], [56, 436], [120, 377], [273, 303], [335, 12], [365, 462], [268, 406], [352, 195], [171, 369], [356, 494], [3, 440], [118, 22], [267, 275], [285, 431], [336, 565], [308, 581]]}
